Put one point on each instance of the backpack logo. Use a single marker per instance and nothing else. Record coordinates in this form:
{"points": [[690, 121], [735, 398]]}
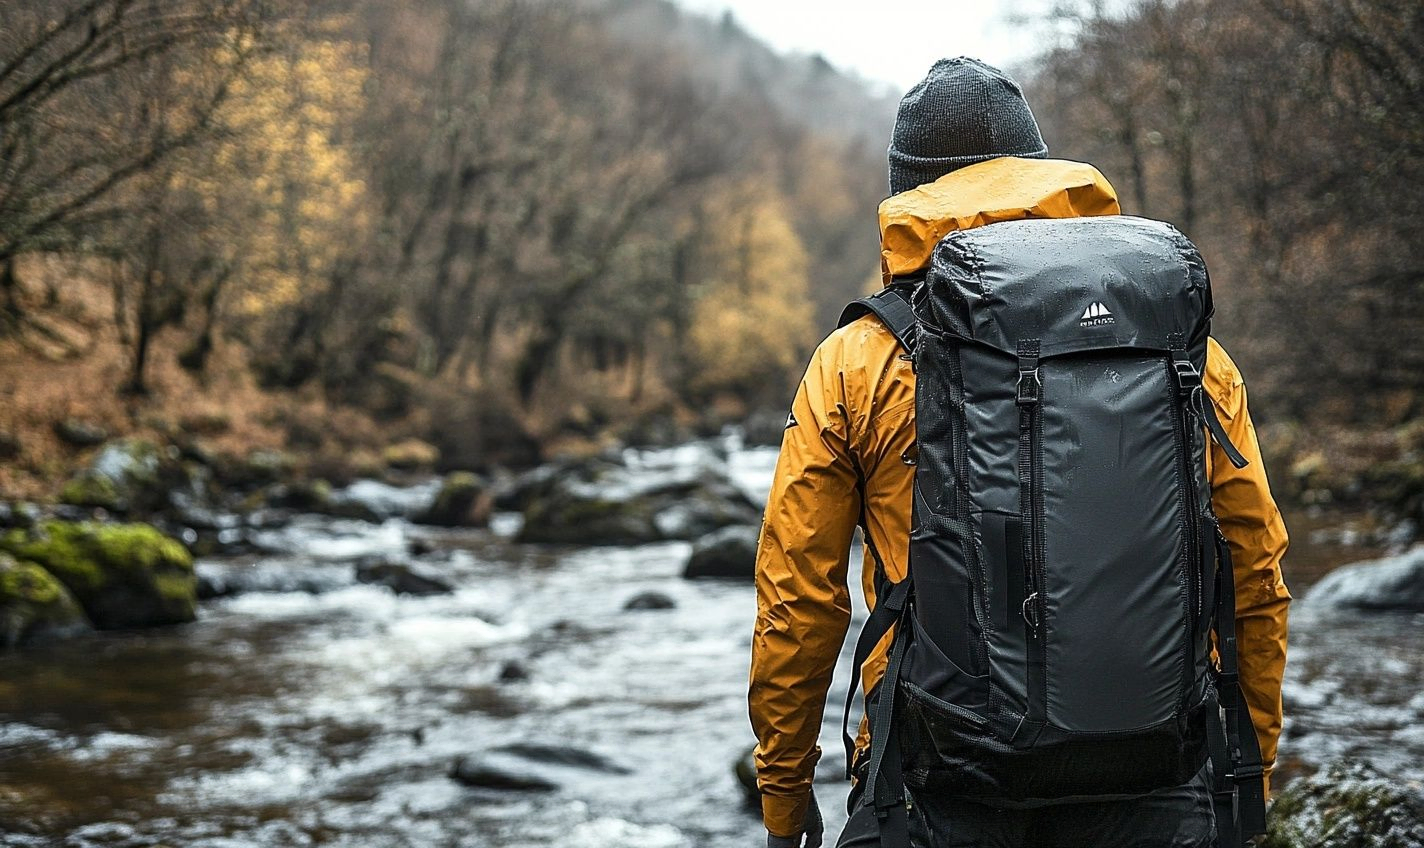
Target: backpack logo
{"points": [[1096, 315]]}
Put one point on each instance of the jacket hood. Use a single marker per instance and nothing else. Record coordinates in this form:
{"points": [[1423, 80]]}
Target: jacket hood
{"points": [[1005, 189]]}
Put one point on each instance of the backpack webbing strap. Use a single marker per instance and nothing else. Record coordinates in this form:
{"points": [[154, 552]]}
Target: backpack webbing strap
{"points": [[1189, 381], [892, 306], [884, 780], [882, 618], [1239, 792]]}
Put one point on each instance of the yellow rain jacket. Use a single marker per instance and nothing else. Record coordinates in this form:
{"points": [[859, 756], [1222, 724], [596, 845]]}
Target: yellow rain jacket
{"points": [[855, 410]]}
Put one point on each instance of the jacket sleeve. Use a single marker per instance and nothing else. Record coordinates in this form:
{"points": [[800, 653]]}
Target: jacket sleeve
{"points": [[803, 603], [1257, 537]]}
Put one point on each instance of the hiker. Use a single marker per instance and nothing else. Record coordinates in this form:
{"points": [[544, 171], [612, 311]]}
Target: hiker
{"points": [[1067, 566]]}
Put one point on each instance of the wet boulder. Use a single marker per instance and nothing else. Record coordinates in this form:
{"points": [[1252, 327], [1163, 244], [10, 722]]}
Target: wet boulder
{"points": [[403, 578], [80, 433], [746, 773], [650, 601], [602, 503], [301, 496], [482, 774], [255, 469], [123, 575], [18, 514], [580, 518], [530, 766], [34, 605], [692, 509], [1347, 806], [513, 671], [129, 476], [561, 755], [461, 502], [727, 554], [1392, 583], [411, 455]]}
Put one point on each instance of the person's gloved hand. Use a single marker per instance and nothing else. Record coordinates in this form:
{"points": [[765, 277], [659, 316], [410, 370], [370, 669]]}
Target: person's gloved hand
{"points": [[812, 830]]}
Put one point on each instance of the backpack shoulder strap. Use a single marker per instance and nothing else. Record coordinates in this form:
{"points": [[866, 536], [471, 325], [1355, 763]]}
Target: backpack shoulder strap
{"points": [[892, 306]]}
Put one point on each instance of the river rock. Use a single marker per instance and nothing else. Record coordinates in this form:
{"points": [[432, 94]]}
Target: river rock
{"points": [[34, 605], [80, 433], [569, 516], [18, 514], [1392, 583], [404, 578], [477, 772], [1347, 806], [461, 502], [598, 502], [745, 770], [129, 476], [411, 455], [562, 755], [513, 671], [257, 468], [123, 575], [650, 601], [727, 554]]}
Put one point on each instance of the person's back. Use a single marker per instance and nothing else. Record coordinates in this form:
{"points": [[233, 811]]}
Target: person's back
{"points": [[846, 459]]}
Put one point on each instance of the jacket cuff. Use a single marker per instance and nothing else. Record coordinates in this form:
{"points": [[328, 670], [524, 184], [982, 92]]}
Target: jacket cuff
{"points": [[783, 816]]}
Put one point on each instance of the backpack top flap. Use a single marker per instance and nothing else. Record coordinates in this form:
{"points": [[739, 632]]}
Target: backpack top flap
{"points": [[1074, 284]]}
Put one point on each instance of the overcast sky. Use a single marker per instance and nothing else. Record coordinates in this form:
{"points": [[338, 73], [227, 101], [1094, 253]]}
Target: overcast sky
{"points": [[892, 41]]}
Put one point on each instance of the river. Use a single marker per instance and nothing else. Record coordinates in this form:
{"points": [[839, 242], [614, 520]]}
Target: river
{"points": [[328, 712]]}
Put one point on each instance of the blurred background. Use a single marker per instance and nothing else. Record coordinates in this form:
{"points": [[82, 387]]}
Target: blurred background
{"points": [[406, 358]]}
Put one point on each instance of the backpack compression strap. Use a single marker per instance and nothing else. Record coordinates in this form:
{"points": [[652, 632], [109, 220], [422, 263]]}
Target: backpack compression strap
{"points": [[892, 306], [1238, 791]]}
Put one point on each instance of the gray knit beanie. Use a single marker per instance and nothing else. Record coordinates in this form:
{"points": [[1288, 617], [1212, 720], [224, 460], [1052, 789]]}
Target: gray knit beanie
{"points": [[962, 112]]}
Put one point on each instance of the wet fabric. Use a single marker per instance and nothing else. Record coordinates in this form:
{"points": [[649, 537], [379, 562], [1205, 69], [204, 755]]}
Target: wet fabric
{"points": [[854, 417]]}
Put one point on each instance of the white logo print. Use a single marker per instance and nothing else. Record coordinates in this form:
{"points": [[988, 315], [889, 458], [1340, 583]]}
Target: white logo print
{"points": [[1095, 315]]}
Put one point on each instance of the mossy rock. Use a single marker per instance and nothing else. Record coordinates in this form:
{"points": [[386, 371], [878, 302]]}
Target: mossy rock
{"points": [[411, 455], [461, 502], [34, 605], [92, 490], [257, 468], [567, 518], [1347, 806], [130, 476], [124, 575]]}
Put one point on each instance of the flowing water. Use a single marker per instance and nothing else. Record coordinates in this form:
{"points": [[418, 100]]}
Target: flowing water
{"points": [[326, 712]]}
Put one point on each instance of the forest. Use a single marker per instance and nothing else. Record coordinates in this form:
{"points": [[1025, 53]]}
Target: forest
{"points": [[509, 227], [489, 225]]}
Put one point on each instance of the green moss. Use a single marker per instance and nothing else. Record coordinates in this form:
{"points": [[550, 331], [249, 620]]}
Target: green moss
{"points": [[53, 544], [90, 489], [123, 574], [33, 603], [27, 582]]}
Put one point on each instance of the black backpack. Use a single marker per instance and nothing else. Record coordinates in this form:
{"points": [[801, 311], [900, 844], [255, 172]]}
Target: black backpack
{"points": [[1066, 572]]}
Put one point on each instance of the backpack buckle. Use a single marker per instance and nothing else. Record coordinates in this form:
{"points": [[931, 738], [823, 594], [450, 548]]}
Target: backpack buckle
{"points": [[1188, 377], [1029, 387]]}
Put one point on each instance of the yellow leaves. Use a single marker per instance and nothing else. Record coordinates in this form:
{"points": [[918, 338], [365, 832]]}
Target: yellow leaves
{"points": [[283, 177], [752, 319]]}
